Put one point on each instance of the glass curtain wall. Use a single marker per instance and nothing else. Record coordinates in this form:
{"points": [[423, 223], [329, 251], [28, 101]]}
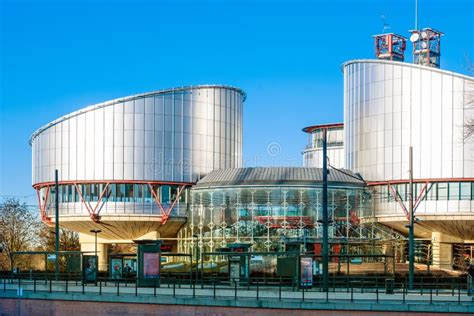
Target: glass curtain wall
{"points": [[267, 216]]}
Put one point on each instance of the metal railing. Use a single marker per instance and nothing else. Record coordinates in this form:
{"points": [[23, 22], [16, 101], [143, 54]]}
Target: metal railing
{"points": [[427, 289]]}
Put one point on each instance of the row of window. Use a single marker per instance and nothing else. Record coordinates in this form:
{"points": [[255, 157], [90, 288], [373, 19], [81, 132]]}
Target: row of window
{"points": [[432, 192], [134, 193]]}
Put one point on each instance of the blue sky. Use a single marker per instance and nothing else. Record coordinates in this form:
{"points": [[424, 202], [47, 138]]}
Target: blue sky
{"points": [[59, 56]]}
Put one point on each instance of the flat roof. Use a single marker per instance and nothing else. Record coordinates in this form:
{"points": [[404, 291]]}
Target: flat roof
{"points": [[310, 129]]}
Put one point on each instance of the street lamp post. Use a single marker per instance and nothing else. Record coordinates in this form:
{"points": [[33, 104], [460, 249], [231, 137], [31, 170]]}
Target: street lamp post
{"points": [[411, 231], [95, 232], [56, 224], [325, 216], [195, 237]]}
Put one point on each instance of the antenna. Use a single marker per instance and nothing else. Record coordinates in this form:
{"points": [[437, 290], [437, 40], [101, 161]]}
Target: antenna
{"points": [[416, 14], [426, 47], [386, 26]]}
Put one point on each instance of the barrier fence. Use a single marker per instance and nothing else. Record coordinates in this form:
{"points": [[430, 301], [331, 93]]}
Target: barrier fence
{"points": [[427, 289]]}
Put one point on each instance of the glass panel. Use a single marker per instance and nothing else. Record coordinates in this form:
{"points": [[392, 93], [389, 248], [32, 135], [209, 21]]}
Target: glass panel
{"points": [[442, 191], [128, 193], [138, 193], [165, 194], [454, 191], [465, 190]]}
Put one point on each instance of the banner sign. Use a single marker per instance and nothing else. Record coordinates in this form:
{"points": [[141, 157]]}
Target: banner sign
{"points": [[306, 271], [151, 265]]}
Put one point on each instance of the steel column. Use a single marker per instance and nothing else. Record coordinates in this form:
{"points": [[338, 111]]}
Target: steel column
{"points": [[411, 233], [325, 216], [56, 223]]}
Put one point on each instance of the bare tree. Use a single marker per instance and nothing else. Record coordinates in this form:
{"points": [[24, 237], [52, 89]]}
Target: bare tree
{"points": [[68, 240], [18, 231]]}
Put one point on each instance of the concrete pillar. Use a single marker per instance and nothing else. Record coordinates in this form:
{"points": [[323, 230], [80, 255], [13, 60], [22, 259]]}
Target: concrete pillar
{"points": [[88, 244], [442, 250]]}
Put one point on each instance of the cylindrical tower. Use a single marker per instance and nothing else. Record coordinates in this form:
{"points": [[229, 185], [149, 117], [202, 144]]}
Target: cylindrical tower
{"points": [[125, 165], [390, 106], [313, 153]]}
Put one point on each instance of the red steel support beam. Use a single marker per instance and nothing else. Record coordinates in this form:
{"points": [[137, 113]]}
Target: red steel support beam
{"points": [[42, 206], [89, 209], [395, 195], [165, 213], [421, 195], [371, 183], [95, 212]]}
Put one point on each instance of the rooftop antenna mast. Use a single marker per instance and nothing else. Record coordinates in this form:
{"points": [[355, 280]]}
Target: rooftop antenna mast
{"points": [[386, 26], [389, 46], [416, 14]]}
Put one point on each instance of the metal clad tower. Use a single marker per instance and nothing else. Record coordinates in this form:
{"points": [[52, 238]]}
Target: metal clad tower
{"points": [[390, 106], [313, 153], [125, 166]]}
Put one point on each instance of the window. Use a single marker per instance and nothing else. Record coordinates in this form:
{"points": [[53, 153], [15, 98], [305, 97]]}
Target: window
{"points": [[147, 194], [165, 194], [442, 191], [138, 193], [465, 193], [120, 192], [454, 191], [128, 193], [432, 193]]}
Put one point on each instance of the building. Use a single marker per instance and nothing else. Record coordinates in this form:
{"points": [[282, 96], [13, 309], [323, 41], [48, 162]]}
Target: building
{"points": [[125, 166], [390, 106], [268, 207], [313, 153], [167, 165]]}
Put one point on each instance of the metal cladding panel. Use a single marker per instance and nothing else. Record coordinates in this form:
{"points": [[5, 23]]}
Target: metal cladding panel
{"points": [[389, 106], [174, 135], [313, 154], [314, 157]]}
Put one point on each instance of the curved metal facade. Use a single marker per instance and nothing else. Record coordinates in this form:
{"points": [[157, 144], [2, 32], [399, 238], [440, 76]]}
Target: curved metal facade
{"points": [[130, 161], [172, 135], [313, 153], [389, 106]]}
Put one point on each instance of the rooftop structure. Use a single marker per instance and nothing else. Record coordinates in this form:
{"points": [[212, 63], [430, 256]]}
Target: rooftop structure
{"points": [[426, 47], [313, 153], [390, 46]]}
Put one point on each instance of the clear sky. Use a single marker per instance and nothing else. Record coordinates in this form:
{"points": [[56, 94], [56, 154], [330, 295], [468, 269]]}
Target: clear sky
{"points": [[59, 56]]}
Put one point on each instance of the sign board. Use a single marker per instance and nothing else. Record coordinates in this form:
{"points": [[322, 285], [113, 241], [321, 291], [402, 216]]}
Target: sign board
{"points": [[51, 257], [149, 262], [234, 270], [151, 265], [74, 264], [116, 267], [317, 267], [306, 271], [166, 248], [89, 268], [287, 266]]}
